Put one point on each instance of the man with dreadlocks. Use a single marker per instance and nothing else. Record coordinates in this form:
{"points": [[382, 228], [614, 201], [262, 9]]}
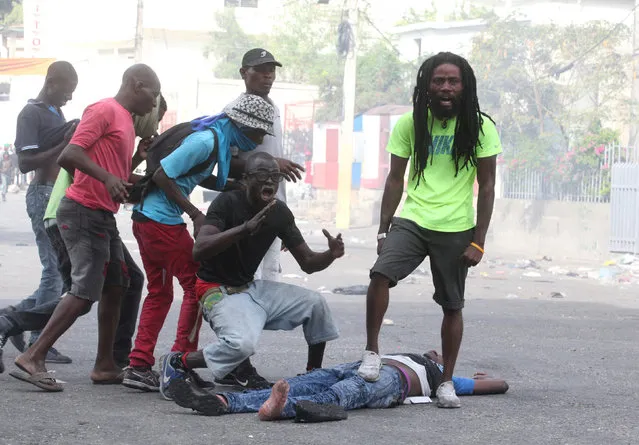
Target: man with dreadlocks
{"points": [[449, 142]]}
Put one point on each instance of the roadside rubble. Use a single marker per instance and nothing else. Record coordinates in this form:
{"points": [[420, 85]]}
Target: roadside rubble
{"points": [[620, 270]]}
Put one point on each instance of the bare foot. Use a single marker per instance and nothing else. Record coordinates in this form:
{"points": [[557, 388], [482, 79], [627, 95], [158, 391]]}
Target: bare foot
{"points": [[110, 374], [274, 405], [29, 364]]}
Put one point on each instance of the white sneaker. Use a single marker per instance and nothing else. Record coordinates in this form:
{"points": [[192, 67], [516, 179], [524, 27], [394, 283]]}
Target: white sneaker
{"points": [[446, 397], [371, 364]]}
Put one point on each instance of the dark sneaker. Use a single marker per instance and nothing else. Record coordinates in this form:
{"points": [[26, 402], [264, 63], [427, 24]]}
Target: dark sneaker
{"points": [[199, 381], [170, 369], [144, 379], [245, 376], [311, 412], [6, 325], [187, 395], [54, 356], [3, 341], [6, 310], [18, 342]]}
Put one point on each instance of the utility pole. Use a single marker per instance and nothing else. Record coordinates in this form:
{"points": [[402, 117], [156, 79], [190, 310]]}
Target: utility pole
{"points": [[345, 157], [139, 31], [634, 97]]}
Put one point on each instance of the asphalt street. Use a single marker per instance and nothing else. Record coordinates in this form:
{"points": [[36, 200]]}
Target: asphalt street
{"points": [[570, 360]]}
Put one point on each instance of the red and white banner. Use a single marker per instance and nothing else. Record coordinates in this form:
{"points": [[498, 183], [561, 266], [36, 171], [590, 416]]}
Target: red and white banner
{"points": [[33, 13]]}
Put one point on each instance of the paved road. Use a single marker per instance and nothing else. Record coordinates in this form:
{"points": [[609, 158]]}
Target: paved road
{"points": [[570, 362]]}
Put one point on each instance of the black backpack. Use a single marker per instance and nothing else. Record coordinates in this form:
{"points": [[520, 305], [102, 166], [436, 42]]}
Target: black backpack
{"points": [[162, 146]]}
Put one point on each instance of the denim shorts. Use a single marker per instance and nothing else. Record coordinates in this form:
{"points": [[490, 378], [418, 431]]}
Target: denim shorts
{"points": [[95, 249]]}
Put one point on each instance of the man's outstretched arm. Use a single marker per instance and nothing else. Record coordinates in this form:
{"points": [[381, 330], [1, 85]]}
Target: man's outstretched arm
{"points": [[487, 385], [311, 261]]}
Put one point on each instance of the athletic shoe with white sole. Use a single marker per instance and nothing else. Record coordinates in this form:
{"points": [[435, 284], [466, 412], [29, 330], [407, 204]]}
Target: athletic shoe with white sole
{"points": [[144, 379], [370, 367], [446, 396], [169, 371]]}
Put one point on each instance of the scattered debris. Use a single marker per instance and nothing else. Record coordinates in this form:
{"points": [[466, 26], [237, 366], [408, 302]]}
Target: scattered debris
{"points": [[531, 274], [557, 295], [358, 289], [526, 264], [291, 275], [556, 270], [421, 271], [388, 322], [411, 279], [608, 273]]}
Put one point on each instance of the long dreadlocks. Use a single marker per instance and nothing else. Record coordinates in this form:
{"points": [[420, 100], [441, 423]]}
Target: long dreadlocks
{"points": [[469, 119]]}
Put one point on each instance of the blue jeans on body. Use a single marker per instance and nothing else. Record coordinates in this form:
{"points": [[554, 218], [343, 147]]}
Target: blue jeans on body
{"points": [[238, 320], [340, 385], [50, 287]]}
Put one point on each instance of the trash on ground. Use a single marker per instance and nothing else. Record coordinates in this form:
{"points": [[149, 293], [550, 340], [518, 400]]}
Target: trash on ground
{"points": [[388, 322], [531, 274], [421, 271], [526, 264], [358, 289], [608, 273], [557, 295]]}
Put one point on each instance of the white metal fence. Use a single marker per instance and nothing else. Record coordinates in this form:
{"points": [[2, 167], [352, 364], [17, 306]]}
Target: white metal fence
{"points": [[587, 186], [624, 208]]}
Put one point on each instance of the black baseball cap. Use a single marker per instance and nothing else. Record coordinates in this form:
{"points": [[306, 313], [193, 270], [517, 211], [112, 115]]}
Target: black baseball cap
{"points": [[258, 56]]}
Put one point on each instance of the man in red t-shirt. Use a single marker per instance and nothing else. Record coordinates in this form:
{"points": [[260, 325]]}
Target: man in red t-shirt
{"points": [[100, 152]]}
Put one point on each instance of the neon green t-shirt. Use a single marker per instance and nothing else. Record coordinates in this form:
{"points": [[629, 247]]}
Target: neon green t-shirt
{"points": [[62, 183], [442, 201]]}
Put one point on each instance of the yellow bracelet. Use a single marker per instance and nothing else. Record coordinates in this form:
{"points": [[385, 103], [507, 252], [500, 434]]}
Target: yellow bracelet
{"points": [[478, 247]]}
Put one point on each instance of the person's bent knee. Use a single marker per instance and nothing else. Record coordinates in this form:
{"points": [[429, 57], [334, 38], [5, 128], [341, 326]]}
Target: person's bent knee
{"points": [[86, 309], [316, 301], [243, 347]]}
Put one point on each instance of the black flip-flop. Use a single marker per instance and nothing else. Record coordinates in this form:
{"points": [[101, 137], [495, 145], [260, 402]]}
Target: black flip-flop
{"points": [[311, 412]]}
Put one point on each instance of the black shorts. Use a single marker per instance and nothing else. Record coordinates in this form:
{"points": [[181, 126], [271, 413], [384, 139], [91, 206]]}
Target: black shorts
{"points": [[408, 244], [95, 249]]}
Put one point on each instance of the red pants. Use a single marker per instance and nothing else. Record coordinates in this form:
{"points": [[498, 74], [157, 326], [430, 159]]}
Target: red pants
{"points": [[167, 252]]}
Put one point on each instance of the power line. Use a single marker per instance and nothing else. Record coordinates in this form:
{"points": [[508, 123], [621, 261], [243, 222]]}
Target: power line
{"points": [[370, 22], [570, 65]]}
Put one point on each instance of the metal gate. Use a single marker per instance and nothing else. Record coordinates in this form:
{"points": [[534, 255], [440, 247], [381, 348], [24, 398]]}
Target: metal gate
{"points": [[624, 208]]}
